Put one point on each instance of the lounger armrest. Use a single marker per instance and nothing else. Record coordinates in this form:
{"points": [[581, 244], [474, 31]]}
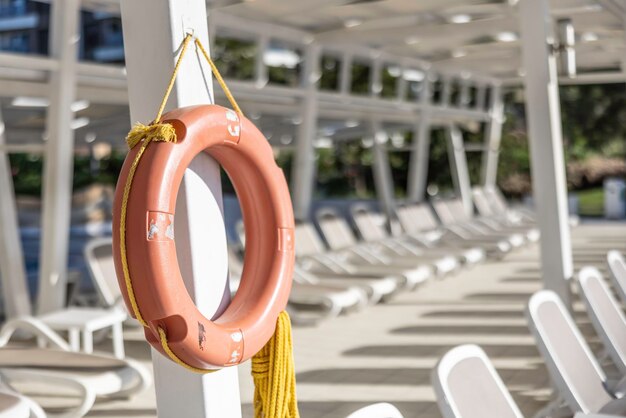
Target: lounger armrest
{"points": [[617, 388], [616, 407], [33, 326]]}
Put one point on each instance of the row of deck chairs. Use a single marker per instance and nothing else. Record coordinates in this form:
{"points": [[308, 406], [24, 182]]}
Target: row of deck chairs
{"points": [[468, 386], [340, 271]]}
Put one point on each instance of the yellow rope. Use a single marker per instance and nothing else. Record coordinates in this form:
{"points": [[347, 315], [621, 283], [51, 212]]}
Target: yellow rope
{"points": [[274, 376], [273, 368], [219, 78]]}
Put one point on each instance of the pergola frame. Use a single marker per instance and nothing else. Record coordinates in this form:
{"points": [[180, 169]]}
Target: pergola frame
{"points": [[41, 77]]}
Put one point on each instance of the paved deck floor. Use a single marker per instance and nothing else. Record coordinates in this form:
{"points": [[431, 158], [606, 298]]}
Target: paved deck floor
{"points": [[387, 352]]}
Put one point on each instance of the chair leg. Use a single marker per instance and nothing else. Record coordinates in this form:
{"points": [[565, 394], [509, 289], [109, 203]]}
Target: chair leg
{"points": [[118, 340]]}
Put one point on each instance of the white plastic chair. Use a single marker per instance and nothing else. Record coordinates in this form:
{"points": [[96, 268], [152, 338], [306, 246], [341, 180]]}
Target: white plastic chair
{"points": [[377, 410], [617, 268], [606, 315], [580, 382], [468, 386], [90, 375]]}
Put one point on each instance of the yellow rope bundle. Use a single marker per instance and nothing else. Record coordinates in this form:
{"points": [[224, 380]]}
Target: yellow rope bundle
{"points": [[274, 375], [273, 368]]}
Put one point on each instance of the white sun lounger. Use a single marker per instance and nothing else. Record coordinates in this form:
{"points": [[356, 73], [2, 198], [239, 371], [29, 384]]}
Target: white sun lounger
{"points": [[579, 382], [14, 405], [617, 268], [452, 212], [500, 220], [468, 386], [313, 256], [377, 410], [372, 230], [419, 220], [91, 375], [606, 315], [310, 300], [339, 237]]}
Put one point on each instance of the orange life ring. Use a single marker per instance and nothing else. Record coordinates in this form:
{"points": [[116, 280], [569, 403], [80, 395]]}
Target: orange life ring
{"points": [[157, 286]]}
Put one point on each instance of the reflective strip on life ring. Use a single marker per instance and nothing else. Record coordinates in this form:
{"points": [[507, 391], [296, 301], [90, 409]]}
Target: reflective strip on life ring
{"points": [[160, 294]]}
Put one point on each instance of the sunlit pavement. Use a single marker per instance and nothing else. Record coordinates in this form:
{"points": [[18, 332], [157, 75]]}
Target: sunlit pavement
{"points": [[387, 352]]}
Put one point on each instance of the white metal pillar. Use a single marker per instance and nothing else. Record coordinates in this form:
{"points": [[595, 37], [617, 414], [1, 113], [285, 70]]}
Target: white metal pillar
{"points": [[493, 135], [345, 74], [383, 178], [420, 149], [59, 157], [15, 296], [261, 73], [304, 162], [458, 167], [543, 113], [150, 51]]}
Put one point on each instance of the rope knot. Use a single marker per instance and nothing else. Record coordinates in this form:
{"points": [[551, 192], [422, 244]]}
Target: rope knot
{"points": [[160, 132]]}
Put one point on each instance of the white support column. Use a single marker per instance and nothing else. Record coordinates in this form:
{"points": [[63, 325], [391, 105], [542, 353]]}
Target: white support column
{"points": [[458, 167], [376, 83], [260, 69], [383, 178], [345, 74], [420, 148], [481, 95], [493, 135], [446, 91], [304, 163], [543, 113], [464, 94], [15, 297], [151, 50], [401, 86], [59, 157]]}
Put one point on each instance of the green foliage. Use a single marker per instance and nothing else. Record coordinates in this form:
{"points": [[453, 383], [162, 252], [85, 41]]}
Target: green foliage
{"points": [[591, 202]]}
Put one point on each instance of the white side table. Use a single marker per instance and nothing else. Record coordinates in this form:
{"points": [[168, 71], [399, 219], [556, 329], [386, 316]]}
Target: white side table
{"points": [[86, 321]]}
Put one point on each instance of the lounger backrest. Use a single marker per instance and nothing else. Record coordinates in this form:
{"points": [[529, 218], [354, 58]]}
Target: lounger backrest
{"points": [[443, 212], [99, 257], [377, 410], [482, 202], [369, 228], [457, 209], [468, 386], [617, 268], [336, 230], [407, 219], [571, 364], [308, 241], [497, 200], [606, 315]]}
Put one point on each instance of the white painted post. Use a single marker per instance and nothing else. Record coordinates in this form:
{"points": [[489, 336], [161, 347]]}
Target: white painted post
{"points": [[464, 96], [261, 73], [458, 167], [376, 83], [153, 31], [345, 74], [420, 149], [493, 135], [402, 85], [15, 297], [383, 179], [543, 113], [481, 94], [446, 91], [304, 167], [59, 157]]}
